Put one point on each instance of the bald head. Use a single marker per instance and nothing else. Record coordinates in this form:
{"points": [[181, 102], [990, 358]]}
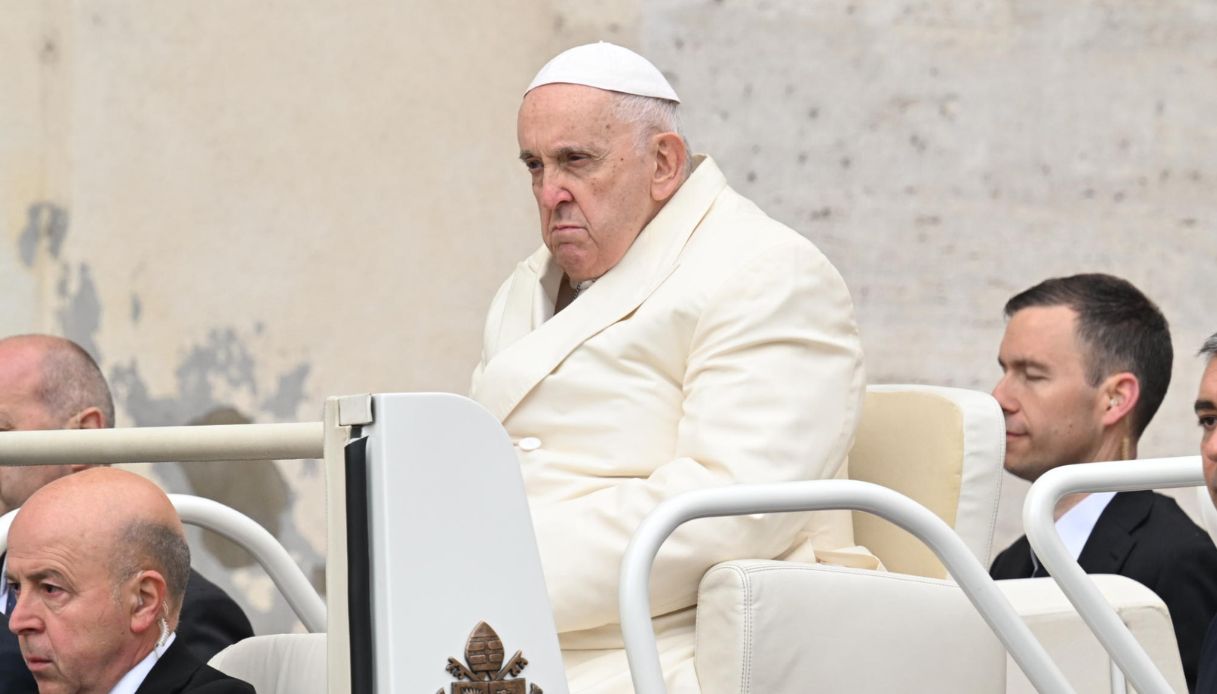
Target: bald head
{"points": [[119, 515], [98, 564], [47, 382], [57, 378]]}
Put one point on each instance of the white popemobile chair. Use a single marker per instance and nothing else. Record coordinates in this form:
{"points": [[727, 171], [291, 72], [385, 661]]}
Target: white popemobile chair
{"points": [[776, 627]]}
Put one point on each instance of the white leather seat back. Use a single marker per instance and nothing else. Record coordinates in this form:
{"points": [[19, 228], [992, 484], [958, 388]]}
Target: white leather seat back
{"points": [[941, 447], [277, 664], [783, 627]]}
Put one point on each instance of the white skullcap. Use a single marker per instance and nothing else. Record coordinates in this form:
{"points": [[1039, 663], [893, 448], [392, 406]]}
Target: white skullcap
{"points": [[606, 66]]}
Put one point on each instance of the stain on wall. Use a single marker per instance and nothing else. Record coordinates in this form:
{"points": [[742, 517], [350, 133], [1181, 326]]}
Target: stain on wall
{"points": [[259, 491], [289, 393], [79, 311], [221, 363], [46, 226]]}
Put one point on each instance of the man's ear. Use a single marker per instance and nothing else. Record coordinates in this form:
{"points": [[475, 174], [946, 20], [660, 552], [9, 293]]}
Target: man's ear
{"points": [[670, 159], [1121, 391], [148, 596], [91, 418]]}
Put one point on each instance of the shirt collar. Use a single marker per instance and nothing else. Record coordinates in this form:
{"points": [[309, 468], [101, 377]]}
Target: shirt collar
{"points": [[131, 681], [1076, 525]]}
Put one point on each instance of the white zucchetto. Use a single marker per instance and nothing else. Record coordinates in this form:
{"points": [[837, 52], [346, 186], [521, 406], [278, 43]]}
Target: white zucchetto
{"points": [[606, 66]]}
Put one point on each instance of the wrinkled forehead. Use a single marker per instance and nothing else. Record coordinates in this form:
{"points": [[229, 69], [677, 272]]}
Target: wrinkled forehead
{"points": [[560, 112], [37, 544], [567, 100]]}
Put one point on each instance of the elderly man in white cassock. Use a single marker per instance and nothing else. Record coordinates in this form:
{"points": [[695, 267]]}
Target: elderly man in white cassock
{"points": [[667, 336]]}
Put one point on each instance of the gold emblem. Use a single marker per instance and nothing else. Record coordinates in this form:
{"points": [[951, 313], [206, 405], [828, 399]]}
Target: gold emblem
{"points": [[483, 671]]}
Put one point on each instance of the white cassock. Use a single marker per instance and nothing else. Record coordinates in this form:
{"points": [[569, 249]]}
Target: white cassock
{"points": [[721, 349]]}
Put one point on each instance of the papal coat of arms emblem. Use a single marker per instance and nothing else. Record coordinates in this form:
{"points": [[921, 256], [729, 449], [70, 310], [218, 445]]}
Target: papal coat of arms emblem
{"points": [[483, 671]]}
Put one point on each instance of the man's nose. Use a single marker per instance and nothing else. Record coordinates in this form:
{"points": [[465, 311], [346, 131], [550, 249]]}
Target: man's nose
{"points": [[22, 617], [553, 190], [1208, 446], [1001, 393]]}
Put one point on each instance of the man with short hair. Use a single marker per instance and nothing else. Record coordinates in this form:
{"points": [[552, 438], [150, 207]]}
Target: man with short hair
{"points": [[1206, 416], [666, 337], [98, 565], [48, 382], [1086, 362]]}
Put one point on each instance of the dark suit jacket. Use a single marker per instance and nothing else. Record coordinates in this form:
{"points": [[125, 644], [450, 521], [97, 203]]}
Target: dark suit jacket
{"points": [[210, 621], [1206, 681], [179, 671], [1148, 538]]}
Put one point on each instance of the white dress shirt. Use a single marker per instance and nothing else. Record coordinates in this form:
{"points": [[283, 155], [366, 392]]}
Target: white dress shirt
{"points": [[1078, 522], [4, 587], [135, 676]]}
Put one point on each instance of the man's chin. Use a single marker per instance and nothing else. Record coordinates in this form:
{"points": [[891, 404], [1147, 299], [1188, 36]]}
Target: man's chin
{"points": [[1021, 469]]}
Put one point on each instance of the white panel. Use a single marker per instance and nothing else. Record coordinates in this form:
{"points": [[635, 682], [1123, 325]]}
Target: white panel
{"points": [[452, 544]]}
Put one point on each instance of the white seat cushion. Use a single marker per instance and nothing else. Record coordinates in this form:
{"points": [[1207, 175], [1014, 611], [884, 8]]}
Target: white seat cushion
{"points": [[771, 627], [1075, 648], [277, 664]]}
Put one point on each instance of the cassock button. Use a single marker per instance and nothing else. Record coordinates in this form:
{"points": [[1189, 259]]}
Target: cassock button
{"points": [[529, 443]]}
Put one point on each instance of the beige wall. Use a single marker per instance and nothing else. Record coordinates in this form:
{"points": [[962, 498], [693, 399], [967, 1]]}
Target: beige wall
{"points": [[244, 208]]}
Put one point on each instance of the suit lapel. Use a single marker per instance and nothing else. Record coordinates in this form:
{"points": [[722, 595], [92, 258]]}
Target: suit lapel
{"points": [[525, 352], [522, 307], [1110, 542], [1014, 561], [171, 671]]}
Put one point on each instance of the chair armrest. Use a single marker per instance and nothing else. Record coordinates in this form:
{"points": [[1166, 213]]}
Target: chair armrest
{"points": [[1072, 644], [774, 627]]}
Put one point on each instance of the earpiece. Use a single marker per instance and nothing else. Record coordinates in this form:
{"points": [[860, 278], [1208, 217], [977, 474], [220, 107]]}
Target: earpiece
{"points": [[164, 624]]}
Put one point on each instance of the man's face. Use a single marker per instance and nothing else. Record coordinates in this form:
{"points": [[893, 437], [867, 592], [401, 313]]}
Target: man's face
{"points": [[74, 632], [1206, 413], [1053, 415], [21, 409], [590, 179]]}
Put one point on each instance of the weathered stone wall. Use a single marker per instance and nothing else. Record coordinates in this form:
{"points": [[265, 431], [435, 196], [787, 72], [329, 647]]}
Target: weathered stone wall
{"points": [[947, 156], [242, 209]]}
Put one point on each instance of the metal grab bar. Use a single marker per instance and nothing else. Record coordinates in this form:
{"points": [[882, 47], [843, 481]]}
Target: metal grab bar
{"points": [[642, 651], [1040, 523], [246, 532], [272, 556], [221, 442]]}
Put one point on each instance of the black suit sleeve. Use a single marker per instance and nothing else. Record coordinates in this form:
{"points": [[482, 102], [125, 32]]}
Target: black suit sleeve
{"points": [[226, 686], [1188, 586], [1013, 562], [210, 621], [15, 677]]}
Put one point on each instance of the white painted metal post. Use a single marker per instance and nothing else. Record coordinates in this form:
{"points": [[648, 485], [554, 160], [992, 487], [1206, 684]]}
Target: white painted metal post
{"points": [[235, 442], [275, 560], [1040, 523]]}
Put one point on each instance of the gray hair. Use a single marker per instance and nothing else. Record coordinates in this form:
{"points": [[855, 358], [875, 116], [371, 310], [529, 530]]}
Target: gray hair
{"points": [[143, 545], [1209, 348], [651, 116], [72, 382]]}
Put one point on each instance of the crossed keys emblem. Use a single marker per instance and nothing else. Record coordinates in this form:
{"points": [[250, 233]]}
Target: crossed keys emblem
{"points": [[483, 671]]}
